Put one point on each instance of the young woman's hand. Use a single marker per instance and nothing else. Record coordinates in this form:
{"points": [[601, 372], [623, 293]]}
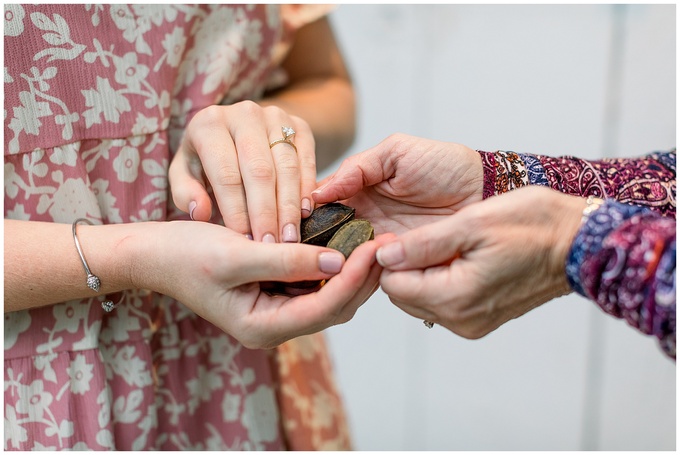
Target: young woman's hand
{"points": [[217, 273], [260, 191]]}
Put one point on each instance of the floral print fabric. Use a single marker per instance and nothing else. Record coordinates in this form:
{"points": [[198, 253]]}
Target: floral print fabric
{"points": [[623, 256], [96, 99]]}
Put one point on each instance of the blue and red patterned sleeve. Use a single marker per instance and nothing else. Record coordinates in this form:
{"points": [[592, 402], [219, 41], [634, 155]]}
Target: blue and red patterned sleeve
{"points": [[623, 256]]}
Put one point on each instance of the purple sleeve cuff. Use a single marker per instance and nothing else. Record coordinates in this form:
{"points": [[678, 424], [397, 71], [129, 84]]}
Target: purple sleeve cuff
{"points": [[648, 181], [623, 258], [489, 169], [503, 172]]}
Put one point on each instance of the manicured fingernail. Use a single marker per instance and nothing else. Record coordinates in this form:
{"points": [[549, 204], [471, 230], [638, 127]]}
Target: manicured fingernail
{"points": [[330, 262], [322, 187], [290, 233], [249, 236], [390, 254], [192, 207], [306, 207], [269, 238]]}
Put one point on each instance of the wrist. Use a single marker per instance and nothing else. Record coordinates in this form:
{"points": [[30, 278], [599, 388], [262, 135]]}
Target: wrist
{"points": [[140, 246], [116, 253], [568, 220]]}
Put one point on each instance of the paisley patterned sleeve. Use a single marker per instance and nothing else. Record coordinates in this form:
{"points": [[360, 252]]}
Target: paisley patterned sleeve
{"points": [[648, 181], [623, 257]]}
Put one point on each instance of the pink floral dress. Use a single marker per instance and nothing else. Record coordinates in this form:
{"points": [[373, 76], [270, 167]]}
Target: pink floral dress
{"points": [[96, 99]]}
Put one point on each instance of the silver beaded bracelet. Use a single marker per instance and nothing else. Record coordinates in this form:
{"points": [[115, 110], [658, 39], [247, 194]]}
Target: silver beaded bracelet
{"points": [[93, 282]]}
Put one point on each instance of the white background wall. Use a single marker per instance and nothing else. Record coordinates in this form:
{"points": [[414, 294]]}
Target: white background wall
{"points": [[587, 80]]}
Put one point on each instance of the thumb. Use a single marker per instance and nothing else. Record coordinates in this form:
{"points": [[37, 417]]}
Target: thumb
{"points": [[188, 189], [430, 245], [290, 262]]}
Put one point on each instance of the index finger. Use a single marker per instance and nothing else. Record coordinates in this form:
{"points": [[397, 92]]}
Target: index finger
{"points": [[217, 153], [367, 168]]}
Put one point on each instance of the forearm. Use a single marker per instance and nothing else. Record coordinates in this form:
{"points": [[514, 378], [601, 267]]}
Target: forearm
{"points": [[646, 181], [42, 265], [623, 258]]}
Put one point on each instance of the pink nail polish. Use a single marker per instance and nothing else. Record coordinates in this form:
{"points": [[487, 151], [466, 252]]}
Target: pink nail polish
{"points": [[306, 207], [268, 238], [290, 234], [331, 262], [192, 207]]}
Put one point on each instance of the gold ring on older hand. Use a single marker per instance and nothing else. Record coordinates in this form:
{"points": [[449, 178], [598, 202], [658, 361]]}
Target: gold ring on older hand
{"points": [[288, 134]]}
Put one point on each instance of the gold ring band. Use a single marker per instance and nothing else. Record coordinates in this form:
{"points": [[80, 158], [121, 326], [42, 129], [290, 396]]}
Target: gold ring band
{"points": [[288, 134], [283, 140]]}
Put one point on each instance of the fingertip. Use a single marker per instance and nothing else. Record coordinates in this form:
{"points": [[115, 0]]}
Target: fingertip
{"points": [[200, 211], [192, 207], [306, 207], [391, 254], [190, 196], [290, 233], [318, 195], [331, 262]]}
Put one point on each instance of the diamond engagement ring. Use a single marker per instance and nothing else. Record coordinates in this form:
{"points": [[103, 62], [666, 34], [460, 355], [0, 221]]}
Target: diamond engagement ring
{"points": [[287, 138], [428, 324]]}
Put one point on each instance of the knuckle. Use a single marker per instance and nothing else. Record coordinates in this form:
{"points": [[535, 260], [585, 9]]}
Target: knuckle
{"points": [[260, 170], [289, 211], [476, 218], [228, 178], [249, 107], [265, 216], [253, 343], [471, 332], [297, 262], [209, 115], [287, 164], [273, 111], [343, 318], [308, 163], [397, 139], [236, 220]]}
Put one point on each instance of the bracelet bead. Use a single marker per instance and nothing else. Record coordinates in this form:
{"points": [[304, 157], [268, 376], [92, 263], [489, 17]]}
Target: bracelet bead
{"points": [[93, 282]]}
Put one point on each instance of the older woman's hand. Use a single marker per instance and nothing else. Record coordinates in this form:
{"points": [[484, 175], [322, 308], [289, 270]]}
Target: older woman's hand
{"points": [[261, 191], [490, 262], [405, 182]]}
